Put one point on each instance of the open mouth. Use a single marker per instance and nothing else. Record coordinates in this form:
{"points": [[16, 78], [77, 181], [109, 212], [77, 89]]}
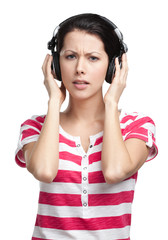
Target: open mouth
{"points": [[80, 83]]}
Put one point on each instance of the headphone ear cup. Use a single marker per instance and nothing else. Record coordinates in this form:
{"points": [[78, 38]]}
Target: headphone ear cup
{"points": [[110, 71], [56, 65]]}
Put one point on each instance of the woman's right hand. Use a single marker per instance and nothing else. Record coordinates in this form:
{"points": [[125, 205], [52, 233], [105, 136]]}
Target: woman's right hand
{"points": [[54, 91]]}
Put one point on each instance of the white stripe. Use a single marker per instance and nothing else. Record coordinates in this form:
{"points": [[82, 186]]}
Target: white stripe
{"points": [[72, 166], [29, 139], [138, 134], [101, 188], [97, 148], [68, 165], [92, 212], [26, 127], [96, 188], [54, 234], [124, 125], [95, 166], [64, 147], [75, 150], [22, 143], [57, 187], [149, 126]]}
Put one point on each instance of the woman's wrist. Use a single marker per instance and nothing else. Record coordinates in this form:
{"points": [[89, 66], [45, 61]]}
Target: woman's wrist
{"points": [[111, 104], [54, 103]]}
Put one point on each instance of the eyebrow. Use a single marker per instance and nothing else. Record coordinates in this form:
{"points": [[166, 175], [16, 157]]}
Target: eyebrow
{"points": [[89, 53]]}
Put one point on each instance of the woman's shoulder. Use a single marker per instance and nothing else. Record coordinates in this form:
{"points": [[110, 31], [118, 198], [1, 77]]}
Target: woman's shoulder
{"points": [[34, 119], [134, 118], [133, 115]]}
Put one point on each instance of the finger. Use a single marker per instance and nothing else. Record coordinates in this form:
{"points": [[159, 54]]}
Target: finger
{"points": [[124, 69], [117, 68], [44, 63], [48, 64], [124, 61]]}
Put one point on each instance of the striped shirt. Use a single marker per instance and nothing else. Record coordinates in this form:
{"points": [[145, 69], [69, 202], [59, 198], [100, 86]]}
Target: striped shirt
{"points": [[79, 204]]}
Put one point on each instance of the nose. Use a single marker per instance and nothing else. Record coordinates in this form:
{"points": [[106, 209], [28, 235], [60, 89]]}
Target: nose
{"points": [[80, 67]]}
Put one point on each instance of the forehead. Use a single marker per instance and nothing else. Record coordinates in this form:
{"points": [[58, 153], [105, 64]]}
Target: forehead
{"points": [[82, 39]]}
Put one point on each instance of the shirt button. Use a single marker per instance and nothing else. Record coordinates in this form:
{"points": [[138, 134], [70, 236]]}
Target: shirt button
{"points": [[84, 178], [84, 204], [91, 146], [84, 191], [78, 145], [85, 168], [84, 156]]}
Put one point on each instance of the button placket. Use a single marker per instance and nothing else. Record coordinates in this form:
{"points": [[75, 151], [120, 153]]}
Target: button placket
{"points": [[84, 193], [84, 165]]}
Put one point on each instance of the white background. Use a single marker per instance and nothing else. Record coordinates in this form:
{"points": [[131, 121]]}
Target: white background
{"points": [[25, 29]]}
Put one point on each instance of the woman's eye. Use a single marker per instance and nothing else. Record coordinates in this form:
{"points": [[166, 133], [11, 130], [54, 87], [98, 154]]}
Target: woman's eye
{"points": [[92, 58], [71, 56]]}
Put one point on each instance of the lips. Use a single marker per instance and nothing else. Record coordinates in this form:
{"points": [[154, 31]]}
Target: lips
{"points": [[80, 82]]}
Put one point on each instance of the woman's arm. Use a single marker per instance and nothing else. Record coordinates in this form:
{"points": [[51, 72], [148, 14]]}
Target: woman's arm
{"points": [[120, 159], [42, 157]]}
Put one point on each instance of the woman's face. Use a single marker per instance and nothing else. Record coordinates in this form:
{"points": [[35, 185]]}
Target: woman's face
{"points": [[83, 58]]}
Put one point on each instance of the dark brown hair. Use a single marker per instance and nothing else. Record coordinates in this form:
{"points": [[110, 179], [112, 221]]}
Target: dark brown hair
{"points": [[93, 24]]}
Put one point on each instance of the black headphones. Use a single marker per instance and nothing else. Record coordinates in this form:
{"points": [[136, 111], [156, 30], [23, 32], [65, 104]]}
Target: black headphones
{"points": [[52, 45]]}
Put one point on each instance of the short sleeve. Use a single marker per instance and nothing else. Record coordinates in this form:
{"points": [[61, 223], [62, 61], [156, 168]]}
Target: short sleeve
{"points": [[29, 132], [142, 127]]}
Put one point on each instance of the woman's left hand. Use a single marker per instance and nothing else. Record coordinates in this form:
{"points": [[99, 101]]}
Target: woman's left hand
{"points": [[118, 82]]}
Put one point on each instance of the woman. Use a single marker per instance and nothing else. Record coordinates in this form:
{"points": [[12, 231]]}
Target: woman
{"points": [[87, 157]]}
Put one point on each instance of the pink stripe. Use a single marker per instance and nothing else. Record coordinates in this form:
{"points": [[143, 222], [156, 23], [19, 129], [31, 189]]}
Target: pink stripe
{"points": [[40, 119], [142, 131], [70, 157], [98, 141], [21, 164], [68, 176], [110, 198], [83, 224], [95, 157], [32, 123], [67, 141], [138, 123], [34, 238], [124, 239], [127, 118], [153, 152], [55, 199], [28, 132], [122, 131], [136, 136], [96, 177]]}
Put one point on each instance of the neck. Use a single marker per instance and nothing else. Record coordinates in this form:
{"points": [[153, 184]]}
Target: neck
{"points": [[86, 110]]}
